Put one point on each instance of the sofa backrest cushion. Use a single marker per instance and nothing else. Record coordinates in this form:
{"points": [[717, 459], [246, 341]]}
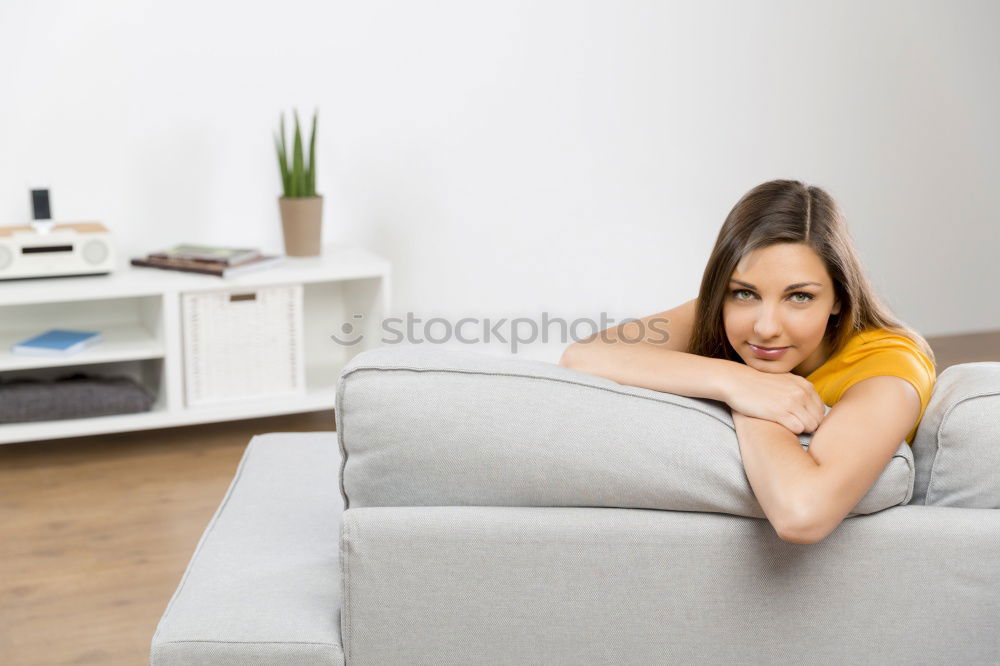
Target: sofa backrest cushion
{"points": [[423, 427], [957, 446]]}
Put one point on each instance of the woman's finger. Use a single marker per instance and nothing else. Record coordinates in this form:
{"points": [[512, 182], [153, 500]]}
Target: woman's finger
{"points": [[807, 418], [812, 419], [793, 423], [816, 407]]}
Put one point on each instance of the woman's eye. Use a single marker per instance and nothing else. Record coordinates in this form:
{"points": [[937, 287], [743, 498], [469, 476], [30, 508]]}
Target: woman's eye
{"points": [[807, 297]]}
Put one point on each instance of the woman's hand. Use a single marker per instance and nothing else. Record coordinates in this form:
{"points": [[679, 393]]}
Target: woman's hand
{"points": [[784, 398]]}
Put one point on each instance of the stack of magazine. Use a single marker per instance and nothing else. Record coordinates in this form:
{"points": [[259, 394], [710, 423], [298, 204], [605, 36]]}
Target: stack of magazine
{"points": [[210, 259]]}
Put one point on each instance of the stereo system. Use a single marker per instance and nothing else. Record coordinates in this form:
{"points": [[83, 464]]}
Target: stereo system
{"points": [[47, 249], [50, 250]]}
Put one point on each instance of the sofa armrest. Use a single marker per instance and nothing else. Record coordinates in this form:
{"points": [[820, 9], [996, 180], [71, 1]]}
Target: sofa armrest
{"points": [[263, 586], [957, 446]]}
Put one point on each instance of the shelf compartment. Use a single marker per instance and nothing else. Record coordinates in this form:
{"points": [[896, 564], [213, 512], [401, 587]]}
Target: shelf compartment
{"points": [[341, 319], [321, 395], [131, 329], [120, 343], [147, 373]]}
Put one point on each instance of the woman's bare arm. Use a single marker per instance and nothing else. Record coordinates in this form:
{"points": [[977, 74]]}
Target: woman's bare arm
{"points": [[650, 354]]}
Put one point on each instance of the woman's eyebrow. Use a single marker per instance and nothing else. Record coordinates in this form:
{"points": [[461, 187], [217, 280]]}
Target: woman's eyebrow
{"points": [[788, 288]]}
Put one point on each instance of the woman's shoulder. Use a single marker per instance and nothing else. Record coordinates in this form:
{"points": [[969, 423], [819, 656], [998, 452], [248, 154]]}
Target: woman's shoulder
{"points": [[877, 339], [881, 351], [892, 352]]}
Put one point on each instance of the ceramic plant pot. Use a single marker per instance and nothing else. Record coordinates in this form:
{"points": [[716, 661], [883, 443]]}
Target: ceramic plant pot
{"points": [[301, 224]]}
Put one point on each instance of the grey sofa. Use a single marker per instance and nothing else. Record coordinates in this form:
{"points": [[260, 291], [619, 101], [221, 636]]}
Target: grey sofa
{"points": [[495, 510]]}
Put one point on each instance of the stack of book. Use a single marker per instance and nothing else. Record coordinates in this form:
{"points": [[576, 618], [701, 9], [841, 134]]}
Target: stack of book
{"points": [[210, 259]]}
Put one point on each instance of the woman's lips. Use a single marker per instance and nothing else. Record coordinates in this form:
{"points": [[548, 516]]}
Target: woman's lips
{"points": [[762, 352]]}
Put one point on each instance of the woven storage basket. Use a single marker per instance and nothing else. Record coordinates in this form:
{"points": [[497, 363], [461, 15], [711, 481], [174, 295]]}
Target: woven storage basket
{"points": [[242, 344]]}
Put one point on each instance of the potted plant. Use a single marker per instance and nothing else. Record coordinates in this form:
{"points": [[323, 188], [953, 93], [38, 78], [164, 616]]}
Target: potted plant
{"points": [[301, 208]]}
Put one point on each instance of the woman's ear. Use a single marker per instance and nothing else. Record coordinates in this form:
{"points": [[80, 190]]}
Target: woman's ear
{"points": [[836, 307]]}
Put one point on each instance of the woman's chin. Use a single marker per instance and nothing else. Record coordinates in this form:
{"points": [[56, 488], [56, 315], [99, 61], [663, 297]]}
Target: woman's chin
{"points": [[766, 366]]}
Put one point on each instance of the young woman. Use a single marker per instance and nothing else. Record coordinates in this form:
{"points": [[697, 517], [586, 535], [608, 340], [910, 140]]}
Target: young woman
{"points": [[785, 324]]}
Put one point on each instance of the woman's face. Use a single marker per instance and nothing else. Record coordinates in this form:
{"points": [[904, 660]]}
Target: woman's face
{"points": [[780, 296]]}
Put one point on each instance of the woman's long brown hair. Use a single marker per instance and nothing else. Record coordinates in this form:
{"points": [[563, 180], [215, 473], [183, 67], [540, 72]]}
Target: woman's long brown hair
{"points": [[788, 211]]}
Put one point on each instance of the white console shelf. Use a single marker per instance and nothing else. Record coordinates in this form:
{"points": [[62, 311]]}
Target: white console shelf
{"points": [[138, 311]]}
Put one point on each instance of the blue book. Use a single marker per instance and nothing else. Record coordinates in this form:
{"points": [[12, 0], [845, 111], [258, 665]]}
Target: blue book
{"points": [[56, 342]]}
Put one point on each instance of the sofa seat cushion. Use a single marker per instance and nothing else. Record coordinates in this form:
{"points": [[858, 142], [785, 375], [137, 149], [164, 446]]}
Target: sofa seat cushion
{"points": [[263, 585], [957, 447], [421, 427]]}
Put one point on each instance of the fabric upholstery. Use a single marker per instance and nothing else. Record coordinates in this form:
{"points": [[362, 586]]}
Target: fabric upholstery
{"points": [[957, 448], [572, 585], [421, 427], [263, 586]]}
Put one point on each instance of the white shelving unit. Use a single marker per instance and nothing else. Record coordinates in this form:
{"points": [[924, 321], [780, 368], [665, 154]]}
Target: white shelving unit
{"points": [[139, 312]]}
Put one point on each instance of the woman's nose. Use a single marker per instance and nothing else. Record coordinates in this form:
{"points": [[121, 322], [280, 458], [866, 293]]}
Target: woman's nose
{"points": [[766, 326]]}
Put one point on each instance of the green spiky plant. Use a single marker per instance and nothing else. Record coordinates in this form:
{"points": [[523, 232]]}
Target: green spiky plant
{"points": [[298, 177]]}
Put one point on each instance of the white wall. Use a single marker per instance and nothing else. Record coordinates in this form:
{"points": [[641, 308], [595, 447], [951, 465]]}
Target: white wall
{"points": [[518, 157]]}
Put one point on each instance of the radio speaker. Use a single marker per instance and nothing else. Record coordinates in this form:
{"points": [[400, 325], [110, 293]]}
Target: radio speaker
{"points": [[95, 251]]}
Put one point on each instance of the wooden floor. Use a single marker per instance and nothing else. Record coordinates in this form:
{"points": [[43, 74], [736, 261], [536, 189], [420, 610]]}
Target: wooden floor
{"points": [[95, 532], [954, 349]]}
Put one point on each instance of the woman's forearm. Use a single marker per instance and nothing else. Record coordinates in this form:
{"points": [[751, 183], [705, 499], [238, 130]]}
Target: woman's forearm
{"points": [[654, 367], [781, 473]]}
